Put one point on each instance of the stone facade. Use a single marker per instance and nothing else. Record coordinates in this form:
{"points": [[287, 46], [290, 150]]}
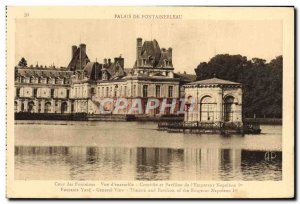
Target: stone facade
{"points": [[79, 87], [215, 100], [42, 90]]}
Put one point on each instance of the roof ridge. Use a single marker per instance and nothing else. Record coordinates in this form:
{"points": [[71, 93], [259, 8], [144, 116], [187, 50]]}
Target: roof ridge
{"points": [[215, 80]]}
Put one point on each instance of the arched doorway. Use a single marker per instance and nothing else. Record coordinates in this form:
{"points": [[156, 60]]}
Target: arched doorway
{"points": [[228, 108], [207, 109], [64, 107], [31, 107], [48, 107]]}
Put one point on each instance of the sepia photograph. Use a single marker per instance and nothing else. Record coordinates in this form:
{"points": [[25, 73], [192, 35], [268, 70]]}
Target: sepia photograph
{"points": [[150, 102]]}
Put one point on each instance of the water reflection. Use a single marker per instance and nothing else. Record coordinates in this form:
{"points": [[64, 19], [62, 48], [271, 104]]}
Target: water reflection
{"points": [[117, 163]]}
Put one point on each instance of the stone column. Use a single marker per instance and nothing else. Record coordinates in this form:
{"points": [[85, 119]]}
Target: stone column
{"points": [[42, 106], [219, 111], [52, 106], [198, 111], [238, 113], [234, 112], [69, 106], [75, 106], [36, 105], [25, 105], [19, 103], [58, 106]]}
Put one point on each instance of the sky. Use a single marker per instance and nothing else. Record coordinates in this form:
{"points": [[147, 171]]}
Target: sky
{"points": [[49, 41]]}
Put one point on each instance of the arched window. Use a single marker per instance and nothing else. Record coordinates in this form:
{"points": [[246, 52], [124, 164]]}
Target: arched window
{"points": [[31, 107], [64, 107], [207, 109], [228, 108], [48, 107]]}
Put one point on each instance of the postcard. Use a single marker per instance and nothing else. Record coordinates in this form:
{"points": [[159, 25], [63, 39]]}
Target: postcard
{"points": [[150, 102]]}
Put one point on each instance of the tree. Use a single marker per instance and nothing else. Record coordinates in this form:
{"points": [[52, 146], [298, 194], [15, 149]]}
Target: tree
{"points": [[262, 82], [22, 62]]}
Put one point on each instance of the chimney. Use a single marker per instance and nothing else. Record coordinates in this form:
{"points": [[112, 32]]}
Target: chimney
{"points": [[170, 53], [83, 47], [74, 48], [120, 60], [139, 42], [105, 61], [109, 61]]}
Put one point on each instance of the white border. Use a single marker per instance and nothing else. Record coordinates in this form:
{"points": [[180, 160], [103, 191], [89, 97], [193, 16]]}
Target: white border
{"points": [[91, 3]]}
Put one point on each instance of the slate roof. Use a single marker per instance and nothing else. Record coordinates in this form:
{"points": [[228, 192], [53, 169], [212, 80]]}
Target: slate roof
{"points": [[45, 73], [185, 77], [79, 54], [214, 81], [151, 48], [93, 69]]}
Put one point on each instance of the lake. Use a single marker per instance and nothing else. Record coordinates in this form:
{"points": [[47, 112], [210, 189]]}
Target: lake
{"points": [[81, 150]]}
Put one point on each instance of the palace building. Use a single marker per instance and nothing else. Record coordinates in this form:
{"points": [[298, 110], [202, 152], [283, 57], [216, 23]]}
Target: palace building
{"points": [[80, 86], [42, 90]]}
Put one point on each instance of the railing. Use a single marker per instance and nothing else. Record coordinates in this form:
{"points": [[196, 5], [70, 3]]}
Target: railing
{"points": [[200, 125]]}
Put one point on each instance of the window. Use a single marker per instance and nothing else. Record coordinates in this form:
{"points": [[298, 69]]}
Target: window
{"points": [[170, 92], [207, 109], [52, 93], [48, 107], [102, 92], [34, 92], [18, 92], [92, 91], [228, 108], [23, 106], [157, 91], [107, 91], [145, 91], [64, 107], [125, 90], [68, 93], [134, 90], [115, 91], [30, 107], [39, 107]]}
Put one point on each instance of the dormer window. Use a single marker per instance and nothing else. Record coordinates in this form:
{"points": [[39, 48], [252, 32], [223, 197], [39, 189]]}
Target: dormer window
{"points": [[167, 63], [151, 59], [104, 75]]}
